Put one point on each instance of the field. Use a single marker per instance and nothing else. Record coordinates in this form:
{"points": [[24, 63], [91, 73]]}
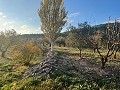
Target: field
{"points": [[76, 73], [59, 45]]}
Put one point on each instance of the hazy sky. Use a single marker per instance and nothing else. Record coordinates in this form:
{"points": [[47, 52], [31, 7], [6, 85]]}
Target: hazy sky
{"points": [[22, 15]]}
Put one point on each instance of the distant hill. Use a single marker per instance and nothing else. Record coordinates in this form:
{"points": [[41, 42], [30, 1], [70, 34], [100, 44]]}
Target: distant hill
{"points": [[32, 36], [101, 27], [92, 29]]}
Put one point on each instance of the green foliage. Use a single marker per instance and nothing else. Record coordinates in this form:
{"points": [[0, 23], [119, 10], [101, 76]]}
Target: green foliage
{"points": [[8, 67], [61, 83], [10, 77], [60, 41], [65, 82], [70, 40]]}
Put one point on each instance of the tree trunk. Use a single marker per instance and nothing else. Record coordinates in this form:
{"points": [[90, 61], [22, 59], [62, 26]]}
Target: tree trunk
{"points": [[103, 65], [108, 45], [59, 45], [80, 53], [52, 47], [115, 55], [3, 54], [94, 50], [64, 44], [104, 60]]}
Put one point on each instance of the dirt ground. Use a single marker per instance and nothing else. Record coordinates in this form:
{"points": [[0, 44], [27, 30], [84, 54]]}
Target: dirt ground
{"points": [[90, 68]]}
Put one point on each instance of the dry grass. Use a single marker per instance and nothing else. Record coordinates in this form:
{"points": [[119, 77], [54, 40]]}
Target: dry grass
{"points": [[73, 53]]}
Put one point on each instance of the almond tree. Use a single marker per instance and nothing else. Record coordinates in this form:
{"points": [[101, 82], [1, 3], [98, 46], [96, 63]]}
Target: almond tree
{"points": [[53, 17], [114, 44], [116, 35]]}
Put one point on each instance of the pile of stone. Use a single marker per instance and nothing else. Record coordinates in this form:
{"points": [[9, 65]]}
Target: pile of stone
{"points": [[53, 66], [43, 68]]}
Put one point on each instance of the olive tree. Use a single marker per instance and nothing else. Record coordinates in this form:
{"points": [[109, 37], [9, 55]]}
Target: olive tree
{"points": [[60, 41], [75, 40], [7, 39], [53, 15]]}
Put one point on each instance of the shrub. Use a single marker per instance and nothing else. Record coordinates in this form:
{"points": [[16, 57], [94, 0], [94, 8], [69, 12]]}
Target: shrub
{"points": [[28, 51]]}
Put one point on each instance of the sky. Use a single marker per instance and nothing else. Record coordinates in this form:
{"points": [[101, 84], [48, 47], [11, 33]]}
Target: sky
{"points": [[22, 15]]}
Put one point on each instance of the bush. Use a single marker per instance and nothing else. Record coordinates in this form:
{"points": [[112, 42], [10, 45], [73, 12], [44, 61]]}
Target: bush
{"points": [[28, 51]]}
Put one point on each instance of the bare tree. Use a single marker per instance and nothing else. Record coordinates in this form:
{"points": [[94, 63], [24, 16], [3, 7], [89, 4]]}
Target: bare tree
{"points": [[113, 44], [116, 35], [53, 17]]}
